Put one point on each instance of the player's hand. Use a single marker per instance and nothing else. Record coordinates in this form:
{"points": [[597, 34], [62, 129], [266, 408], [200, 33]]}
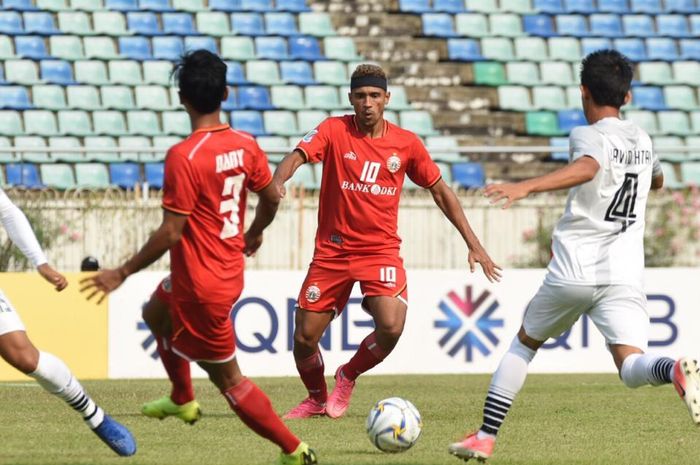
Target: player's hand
{"points": [[509, 191], [491, 270], [52, 276], [103, 283], [279, 186], [252, 243]]}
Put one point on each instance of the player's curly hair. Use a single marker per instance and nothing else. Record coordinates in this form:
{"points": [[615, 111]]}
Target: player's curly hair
{"points": [[367, 70]]}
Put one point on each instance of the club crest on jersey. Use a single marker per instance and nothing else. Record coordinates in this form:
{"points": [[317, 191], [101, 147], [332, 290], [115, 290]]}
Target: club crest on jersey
{"points": [[313, 293], [167, 285], [310, 135], [350, 156], [393, 163]]}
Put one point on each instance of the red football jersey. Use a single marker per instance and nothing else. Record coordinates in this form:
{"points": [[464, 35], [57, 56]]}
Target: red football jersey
{"points": [[206, 177], [361, 185]]}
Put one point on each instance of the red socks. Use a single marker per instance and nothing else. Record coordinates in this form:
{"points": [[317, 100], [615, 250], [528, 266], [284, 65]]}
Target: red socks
{"points": [[369, 355], [311, 372], [178, 370], [255, 410]]}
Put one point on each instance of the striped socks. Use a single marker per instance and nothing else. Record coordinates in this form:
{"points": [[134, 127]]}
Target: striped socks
{"points": [[496, 408]]}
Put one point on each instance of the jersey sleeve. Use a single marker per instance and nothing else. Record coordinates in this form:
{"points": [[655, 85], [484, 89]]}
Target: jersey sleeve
{"points": [[180, 187], [259, 175], [586, 141], [421, 169], [314, 144]]}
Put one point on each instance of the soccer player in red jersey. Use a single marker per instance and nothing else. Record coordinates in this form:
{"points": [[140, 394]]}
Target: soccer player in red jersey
{"points": [[365, 159], [207, 177]]}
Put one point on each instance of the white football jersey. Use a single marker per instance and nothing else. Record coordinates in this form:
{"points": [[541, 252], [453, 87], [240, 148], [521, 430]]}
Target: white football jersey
{"points": [[600, 238]]}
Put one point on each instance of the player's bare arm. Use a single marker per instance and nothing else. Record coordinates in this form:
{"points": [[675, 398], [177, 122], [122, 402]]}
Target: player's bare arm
{"points": [[167, 235], [286, 170], [657, 182], [447, 201], [268, 201], [580, 171], [55, 278]]}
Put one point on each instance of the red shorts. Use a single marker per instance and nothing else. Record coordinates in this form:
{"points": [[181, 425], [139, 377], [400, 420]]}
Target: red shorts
{"points": [[328, 283], [163, 290]]}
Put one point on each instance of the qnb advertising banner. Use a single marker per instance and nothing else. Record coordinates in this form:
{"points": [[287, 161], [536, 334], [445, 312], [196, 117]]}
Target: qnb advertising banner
{"points": [[457, 322]]}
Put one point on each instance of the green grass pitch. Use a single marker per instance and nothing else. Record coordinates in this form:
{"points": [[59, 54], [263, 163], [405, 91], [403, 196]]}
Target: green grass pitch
{"points": [[557, 419]]}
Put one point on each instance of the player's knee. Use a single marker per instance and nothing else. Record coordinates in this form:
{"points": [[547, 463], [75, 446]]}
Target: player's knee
{"points": [[25, 361], [306, 339], [390, 332]]}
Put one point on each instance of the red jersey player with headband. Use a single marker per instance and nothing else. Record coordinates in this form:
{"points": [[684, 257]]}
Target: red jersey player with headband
{"points": [[365, 159]]}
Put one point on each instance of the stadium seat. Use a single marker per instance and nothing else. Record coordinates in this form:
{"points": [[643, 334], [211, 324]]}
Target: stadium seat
{"points": [[281, 24], [672, 26], [83, 97], [662, 144], [686, 72], [541, 123], [331, 72], [102, 48], [287, 97], [295, 6], [571, 25], [449, 6], [109, 23], [237, 48], [523, 73], [224, 5], [305, 48], [322, 97], [144, 123], [644, 119], [340, 48], [21, 72], [6, 47], [539, 25], [316, 24], [638, 26], [497, 48], [464, 50], [634, 49], [674, 123], [204, 42], [282, 123], [580, 6], [254, 98], [593, 44], [548, 98], [680, 98], [415, 6], [471, 25], [489, 73], [690, 171], [11, 123], [179, 24], [231, 102], [468, 175], [117, 98], [248, 121], [135, 48], [263, 72], [167, 48], [694, 24], [564, 49], [389, 115], [482, 6], [122, 5], [605, 25], [515, 98], [671, 180], [109, 123], [66, 143], [66, 47], [151, 98], [690, 49], [439, 146], [271, 48], [176, 123], [418, 121], [74, 123], [125, 175], [645, 6], [40, 122], [516, 6], [309, 119], [155, 5], [655, 73], [32, 142], [235, 75], [257, 5], [24, 174], [559, 142], [297, 72], [398, 100], [648, 98], [11, 23], [695, 122], [213, 24], [276, 147], [505, 25], [662, 49], [549, 6], [98, 142], [57, 175], [531, 49], [247, 24], [14, 98], [91, 176], [569, 119], [50, 97], [129, 143], [613, 6], [154, 173], [32, 47], [304, 177], [693, 141], [164, 142], [438, 25], [56, 72], [125, 72], [680, 6], [558, 73]]}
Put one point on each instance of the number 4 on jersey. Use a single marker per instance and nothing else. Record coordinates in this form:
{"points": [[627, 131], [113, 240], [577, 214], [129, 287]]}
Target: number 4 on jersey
{"points": [[622, 207], [232, 188]]}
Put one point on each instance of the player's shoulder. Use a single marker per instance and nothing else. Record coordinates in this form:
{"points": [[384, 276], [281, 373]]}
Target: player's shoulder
{"points": [[585, 132], [186, 146]]}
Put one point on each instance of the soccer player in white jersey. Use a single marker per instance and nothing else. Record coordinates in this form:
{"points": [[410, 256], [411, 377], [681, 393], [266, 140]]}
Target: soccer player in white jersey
{"points": [[598, 253], [47, 369]]}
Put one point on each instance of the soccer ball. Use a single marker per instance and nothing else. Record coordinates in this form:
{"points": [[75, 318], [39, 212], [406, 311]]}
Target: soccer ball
{"points": [[394, 425]]}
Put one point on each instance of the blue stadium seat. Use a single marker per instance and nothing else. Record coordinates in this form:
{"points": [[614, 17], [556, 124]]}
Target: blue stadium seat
{"points": [[14, 98], [539, 25], [271, 48], [571, 25], [32, 47], [10, 23], [569, 119], [155, 173], [548, 6], [125, 175], [19, 5], [122, 5], [580, 6], [305, 48], [254, 98], [248, 121], [231, 103], [592, 44], [180, 24], [281, 24], [449, 6], [135, 48], [57, 72], [247, 24], [297, 72], [645, 6], [235, 74], [638, 26], [468, 175], [39, 23], [143, 23], [261, 6], [415, 6], [670, 26], [159, 6], [464, 50], [438, 25], [25, 174], [559, 142], [681, 6], [295, 6], [201, 42], [634, 49], [606, 25], [613, 6], [694, 25], [662, 49], [648, 98], [225, 5], [168, 48], [690, 49]]}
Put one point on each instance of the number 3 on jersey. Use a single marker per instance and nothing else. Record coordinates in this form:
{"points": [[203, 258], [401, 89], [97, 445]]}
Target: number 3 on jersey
{"points": [[622, 207], [230, 204]]}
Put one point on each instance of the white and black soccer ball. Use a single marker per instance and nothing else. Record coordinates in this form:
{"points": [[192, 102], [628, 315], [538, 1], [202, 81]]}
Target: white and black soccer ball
{"points": [[394, 425]]}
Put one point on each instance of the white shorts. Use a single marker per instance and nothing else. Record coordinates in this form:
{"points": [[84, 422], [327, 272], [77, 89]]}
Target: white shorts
{"points": [[619, 312], [9, 319]]}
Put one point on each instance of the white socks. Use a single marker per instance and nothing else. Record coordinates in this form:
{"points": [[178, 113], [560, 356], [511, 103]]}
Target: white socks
{"points": [[54, 376], [642, 369]]}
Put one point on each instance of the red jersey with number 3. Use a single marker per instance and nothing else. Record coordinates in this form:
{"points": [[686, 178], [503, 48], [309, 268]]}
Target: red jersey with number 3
{"points": [[207, 177], [361, 186]]}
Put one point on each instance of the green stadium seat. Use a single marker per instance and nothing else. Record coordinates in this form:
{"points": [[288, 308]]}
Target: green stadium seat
{"points": [[686, 72], [32, 142], [52, 5], [50, 97], [690, 171], [541, 123], [655, 73], [23, 72], [287, 97], [110, 123], [83, 98], [472, 25], [152, 98], [11, 123], [135, 142], [524, 73], [276, 147], [497, 48], [340, 48], [322, 97], [102, 48], [398, 99], [389, 115], [109, 23], [238, 48], [264, 72], [489, 73], [331, 72], [573, 97], [86, 5], [157, 72], [117, 98], [7, 49], [213, 24], [176, 123], [75, 23], [40, 122], [663, 143], [66, 47], [7, 157], [189, 5], [516, 98], [548, 98], [126, 72], [516, 6], [57, 175], [671, 180], [92, 175], [531, 49], [439, 146], [564, 49], [674, 123], [142, 123], [644, 119], [309, 119], [695, 121], [66, 143], [680, 98], [418, 121], [483, 6], [694, 142], [316, 24], [505, 25], [164, 142], [98, 142], [283, 123], [556, 72], [91, 72]]}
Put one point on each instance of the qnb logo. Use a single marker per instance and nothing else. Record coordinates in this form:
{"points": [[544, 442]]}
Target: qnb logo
{"points": [[469, 323]]}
